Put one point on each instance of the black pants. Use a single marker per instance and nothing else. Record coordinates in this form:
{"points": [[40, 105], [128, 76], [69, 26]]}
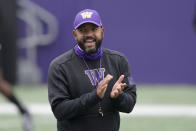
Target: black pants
{"points": [[8, 50]]}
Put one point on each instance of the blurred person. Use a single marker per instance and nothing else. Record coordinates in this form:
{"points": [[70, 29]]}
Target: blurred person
{"points": [[89, 85], [8, 55], [194, 19]]}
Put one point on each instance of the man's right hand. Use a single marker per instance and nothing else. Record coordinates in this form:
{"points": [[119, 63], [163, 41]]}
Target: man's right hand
{"points": [[102, 86]]}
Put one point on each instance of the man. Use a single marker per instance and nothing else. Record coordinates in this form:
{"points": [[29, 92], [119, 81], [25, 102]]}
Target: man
{"points": [[88, 86], [8, 51]]}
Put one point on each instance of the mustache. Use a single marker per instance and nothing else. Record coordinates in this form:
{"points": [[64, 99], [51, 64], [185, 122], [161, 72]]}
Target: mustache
{"points": [[89, 37]]}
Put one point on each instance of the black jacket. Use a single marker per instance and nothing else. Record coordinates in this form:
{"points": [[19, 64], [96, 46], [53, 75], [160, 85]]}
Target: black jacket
{"points": [[73, 98]]}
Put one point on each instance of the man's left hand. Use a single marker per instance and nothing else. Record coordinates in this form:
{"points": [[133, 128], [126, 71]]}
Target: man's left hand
{"points": [[118, 87]]}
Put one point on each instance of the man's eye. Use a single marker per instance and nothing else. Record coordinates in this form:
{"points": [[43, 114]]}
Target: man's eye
{"points": [[81, 30], [95, 29]]}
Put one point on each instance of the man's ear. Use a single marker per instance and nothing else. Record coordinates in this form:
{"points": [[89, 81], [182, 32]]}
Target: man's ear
{"points": [[102, 31], [74, 33]]}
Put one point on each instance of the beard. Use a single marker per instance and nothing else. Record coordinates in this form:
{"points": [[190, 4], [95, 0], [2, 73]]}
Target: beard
{"points": [[81, 44]]}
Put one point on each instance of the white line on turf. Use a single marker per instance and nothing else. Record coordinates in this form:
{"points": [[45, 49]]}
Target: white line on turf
{"points": [[139, 110]]}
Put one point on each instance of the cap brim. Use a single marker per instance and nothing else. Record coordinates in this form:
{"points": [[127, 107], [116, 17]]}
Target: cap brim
{"points": [[93, 22]]}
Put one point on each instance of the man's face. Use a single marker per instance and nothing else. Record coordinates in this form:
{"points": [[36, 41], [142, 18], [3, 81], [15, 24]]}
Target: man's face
{"points": [[89, 37]]}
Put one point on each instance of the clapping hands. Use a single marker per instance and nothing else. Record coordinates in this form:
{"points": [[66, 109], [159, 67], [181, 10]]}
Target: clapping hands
{"points": [[116, 90]]}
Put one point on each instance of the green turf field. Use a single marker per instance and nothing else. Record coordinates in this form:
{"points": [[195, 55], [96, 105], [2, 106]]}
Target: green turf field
{"points": [[147, 94]]}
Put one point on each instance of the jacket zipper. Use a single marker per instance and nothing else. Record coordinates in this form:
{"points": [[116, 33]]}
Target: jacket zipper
{"points": [[100, 110]]}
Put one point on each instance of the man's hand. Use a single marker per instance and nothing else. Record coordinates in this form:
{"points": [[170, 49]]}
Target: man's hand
{"points": [[102, 86], [118, 87]]}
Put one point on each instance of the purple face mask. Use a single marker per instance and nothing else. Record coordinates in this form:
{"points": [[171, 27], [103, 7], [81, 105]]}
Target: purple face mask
{"points": [[82, 54]]}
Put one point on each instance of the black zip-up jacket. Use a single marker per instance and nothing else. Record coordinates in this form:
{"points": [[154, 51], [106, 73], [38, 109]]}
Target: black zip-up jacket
{"points": [[73, 97]]}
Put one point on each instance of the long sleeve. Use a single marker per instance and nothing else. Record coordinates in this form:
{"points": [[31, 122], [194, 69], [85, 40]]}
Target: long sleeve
{"points": [[125, 102], [63, 106]]}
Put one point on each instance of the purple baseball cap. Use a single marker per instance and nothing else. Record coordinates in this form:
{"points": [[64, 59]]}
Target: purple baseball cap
{"points": [[87, 16]]}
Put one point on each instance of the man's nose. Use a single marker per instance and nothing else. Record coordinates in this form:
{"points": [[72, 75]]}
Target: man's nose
{"points": [[89, 33]]}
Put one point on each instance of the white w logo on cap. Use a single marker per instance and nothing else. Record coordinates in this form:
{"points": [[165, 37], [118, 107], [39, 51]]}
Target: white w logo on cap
{"points": [[86, 14]]}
